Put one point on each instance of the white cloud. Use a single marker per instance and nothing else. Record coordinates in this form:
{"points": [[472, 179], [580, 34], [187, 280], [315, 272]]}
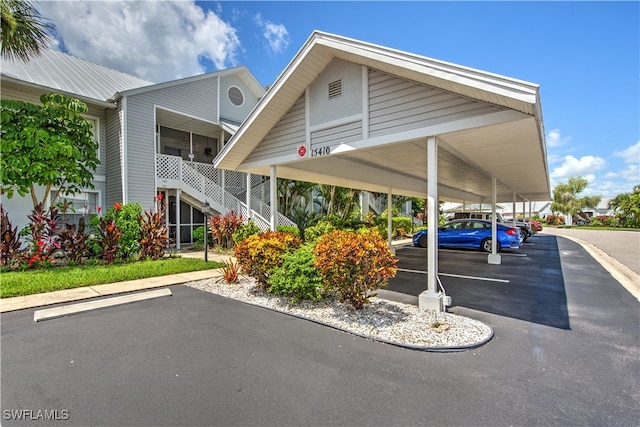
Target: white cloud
{"points": [[572, 166], [630, 154], [631, 174], [155, 40], [555, 138], [276, 35]]}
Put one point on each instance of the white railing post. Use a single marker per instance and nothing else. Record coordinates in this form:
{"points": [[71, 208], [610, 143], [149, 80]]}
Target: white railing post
{"points": [[248, 195]]}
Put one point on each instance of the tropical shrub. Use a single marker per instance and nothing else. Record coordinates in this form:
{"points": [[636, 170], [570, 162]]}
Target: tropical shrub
{"points": [[312, 234], [153, 231], [126, 218], [223, 227], [230, 272], [399, 225], [43, 239], [74, 240], [109, 235], [260, 254], [10, 245], [289, 229], [354, 264], [244, 231], [297, 277]]}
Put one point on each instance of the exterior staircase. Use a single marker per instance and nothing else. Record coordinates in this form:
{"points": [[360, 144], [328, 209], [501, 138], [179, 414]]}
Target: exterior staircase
{"points": [[201, 183]]}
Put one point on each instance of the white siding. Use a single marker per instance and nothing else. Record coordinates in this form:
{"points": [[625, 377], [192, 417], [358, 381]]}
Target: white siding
{"points": [[227, 109], [397, 105], [285, 137], [349, 103], [336, 135], [195, 99]]}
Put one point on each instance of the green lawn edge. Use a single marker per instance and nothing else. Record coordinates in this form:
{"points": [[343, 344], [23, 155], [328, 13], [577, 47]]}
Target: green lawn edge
{"points": [[20, 283]]}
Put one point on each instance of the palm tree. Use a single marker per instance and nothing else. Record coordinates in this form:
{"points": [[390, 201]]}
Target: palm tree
{"points": [[23, 30]]}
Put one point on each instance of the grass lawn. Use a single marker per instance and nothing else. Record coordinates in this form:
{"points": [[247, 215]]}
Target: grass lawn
{"points": [[16, 283]]}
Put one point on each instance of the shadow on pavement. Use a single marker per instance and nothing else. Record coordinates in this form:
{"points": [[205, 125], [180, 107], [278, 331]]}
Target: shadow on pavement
{"points": [[535, 291]]}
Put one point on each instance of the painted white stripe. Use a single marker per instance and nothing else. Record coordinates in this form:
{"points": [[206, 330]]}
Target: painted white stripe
{"points": [[488, 279], [64, 310]]}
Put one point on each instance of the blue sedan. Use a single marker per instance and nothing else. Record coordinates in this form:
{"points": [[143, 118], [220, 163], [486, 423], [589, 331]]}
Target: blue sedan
{"points": [[471, 233]]}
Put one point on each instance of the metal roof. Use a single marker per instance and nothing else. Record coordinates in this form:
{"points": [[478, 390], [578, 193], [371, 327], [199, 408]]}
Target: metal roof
{"points": [[60, 71], [509, 146]]}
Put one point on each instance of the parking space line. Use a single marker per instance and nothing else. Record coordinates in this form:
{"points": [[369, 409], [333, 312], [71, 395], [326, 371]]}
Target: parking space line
{"points": [[487, 279]]}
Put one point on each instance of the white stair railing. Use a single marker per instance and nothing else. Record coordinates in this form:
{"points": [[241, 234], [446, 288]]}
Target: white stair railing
{"points": [[201, 181]]}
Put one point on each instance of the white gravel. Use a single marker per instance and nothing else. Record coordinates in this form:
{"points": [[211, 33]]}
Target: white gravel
{"points": [[382, 320]]}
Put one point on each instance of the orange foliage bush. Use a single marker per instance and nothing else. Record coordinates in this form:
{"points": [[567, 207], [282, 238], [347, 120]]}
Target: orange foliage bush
{"points": [[354, 264], [260, 254]]}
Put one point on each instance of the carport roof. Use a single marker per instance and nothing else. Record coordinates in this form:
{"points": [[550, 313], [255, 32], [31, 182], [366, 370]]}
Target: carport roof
{"points": [[508, 145]]}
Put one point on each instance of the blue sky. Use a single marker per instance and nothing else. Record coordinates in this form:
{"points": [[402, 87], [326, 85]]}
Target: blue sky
{"points": [[584, 55]]}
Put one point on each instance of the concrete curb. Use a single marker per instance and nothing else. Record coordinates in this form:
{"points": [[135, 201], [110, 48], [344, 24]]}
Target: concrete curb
{"points": [[82, 293]]}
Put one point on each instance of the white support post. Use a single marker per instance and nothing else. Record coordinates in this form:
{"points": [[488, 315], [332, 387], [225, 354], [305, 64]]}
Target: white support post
{"points": [[178, 219], [248, 197], [223, 184], [524, 212], [273, 197], [494, 256], [431, 299], [390, 220], [514, 210]]}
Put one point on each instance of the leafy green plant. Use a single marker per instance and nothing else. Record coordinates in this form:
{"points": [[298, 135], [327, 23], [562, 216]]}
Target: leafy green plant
{"points": [[75, 241], [244, 231], [354, 264], [198, 237], [126, 218], [399, 225], [10, 245], [289, 229], [260, 254], [297, 277], [230, 272], [304, 219], [313, 233], [51, 145], [153, 231]]}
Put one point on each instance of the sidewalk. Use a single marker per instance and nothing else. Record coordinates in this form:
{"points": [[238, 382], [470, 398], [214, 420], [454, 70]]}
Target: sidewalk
{"points": [[77, 294], [83, 293]]}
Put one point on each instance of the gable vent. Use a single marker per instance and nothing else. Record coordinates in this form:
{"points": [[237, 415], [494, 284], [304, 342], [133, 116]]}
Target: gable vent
{"points": [[335, 89]]}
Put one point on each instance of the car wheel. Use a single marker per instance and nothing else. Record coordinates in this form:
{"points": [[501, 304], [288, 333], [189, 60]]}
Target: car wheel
{"points": [[422, 241], [486, 245], [524, 235]]}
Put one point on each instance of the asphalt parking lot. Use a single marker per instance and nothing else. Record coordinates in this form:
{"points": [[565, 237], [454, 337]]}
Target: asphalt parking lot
{"points": [[566, 351], [528, 285]]}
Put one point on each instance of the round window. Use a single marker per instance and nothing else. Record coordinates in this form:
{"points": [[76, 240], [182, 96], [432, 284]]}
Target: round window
{"points": [[235, 96]]}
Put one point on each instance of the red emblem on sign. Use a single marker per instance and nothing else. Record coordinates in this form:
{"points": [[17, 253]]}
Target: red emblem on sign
{"points": [[302, 151]]}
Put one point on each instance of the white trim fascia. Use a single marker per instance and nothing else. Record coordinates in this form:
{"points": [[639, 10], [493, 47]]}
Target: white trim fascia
{"points": [[229, 71], [335, 123], [125, 168], [307, 120], [491, 82], [156, 141], [160, 107]]}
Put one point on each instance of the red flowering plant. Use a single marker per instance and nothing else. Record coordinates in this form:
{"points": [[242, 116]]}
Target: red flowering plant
{"points": [[43, 241], [153, 231], [223, 227]]}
